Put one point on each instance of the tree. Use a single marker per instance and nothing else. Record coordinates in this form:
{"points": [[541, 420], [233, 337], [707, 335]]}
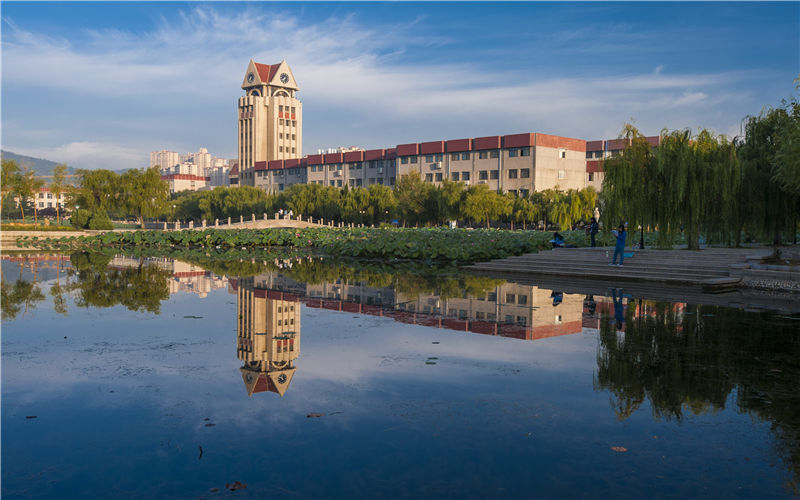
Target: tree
{"points": [[143, 193], [27, 184], [384, 204], [482, 204], [97, 193], [58, 187], [8, 173], [628, 183], [445, 201], [411, 194]]}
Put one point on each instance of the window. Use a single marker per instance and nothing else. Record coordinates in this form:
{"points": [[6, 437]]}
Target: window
{"points": [[589, 154], [439, 157], [371, 181], [525, 152], [280, 149], [509, 318], [428, 158], [391, 181], [525, 173], [510, 298], [358, 165], [49, 196], [358, 182], [521, 320], [492, 297], [591, 176], [562, 174], [293, 137], [479, 315], [523, 193], [512, 173], [280, 122], [562, 153], [339, 183], [280, 136], [352, 166], [491, 316], [512, 153], [494, 174], [404, 160], [352, 182], [465, 156], [455, 176], [512, 192], [293, 109], [438, 177], [339, 166], [413, 159], [483, 175], [333, 183], [380, 181], [294, 123], [280, 109], [41, 204], [494, 154], [454, 157], [483, 155], [428, 177], [464, 176], [522, 300], [293, 150]]}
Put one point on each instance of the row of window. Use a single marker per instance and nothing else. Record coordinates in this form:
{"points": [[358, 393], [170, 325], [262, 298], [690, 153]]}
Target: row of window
{"points": [[482, 155], [293, 137], [511, 298], [370, 181], [42, 196], [282, 108], [355, 182], [50, 204], [280, 149], [289, 123]]}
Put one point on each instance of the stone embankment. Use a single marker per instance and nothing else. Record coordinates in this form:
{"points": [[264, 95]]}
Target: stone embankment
{"points": [[712, 270]]}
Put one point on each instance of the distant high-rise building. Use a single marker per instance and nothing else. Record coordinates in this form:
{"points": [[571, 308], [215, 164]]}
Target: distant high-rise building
{"points": [[270, 122], [164, 159]]}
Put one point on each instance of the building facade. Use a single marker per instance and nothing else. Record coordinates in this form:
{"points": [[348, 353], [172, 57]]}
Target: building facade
{"points": [[270, 125], [597, 151]]}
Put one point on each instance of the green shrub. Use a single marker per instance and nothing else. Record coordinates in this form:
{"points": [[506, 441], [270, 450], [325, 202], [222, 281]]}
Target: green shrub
{"points": [[80, 219], [100, 221]]}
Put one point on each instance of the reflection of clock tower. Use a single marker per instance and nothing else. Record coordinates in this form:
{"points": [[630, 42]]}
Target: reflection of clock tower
{"points": [[270, 118], [268, 337]]}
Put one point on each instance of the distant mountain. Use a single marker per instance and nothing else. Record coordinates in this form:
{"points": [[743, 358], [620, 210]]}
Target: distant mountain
{"points": [[40, 166]]}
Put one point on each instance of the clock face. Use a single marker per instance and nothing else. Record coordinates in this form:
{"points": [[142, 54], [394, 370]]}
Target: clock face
{"points": [[284, 78], [250, 78], [282, 378]]}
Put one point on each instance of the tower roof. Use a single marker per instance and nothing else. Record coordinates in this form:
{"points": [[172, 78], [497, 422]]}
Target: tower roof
{"points": [[279, 75], [266, 71]]}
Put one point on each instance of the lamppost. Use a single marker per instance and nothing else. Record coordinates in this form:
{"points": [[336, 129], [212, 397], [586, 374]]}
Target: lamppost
{"points": [[172, 214]]}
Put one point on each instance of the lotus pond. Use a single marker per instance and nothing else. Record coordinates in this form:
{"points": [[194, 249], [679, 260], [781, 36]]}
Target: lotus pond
{"points": [[255, 375]]}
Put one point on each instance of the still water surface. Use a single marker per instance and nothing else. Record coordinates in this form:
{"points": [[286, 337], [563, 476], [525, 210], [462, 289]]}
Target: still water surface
{"points": [[158, 379]]}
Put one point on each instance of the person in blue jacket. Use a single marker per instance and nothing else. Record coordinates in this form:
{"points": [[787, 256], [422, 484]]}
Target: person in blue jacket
{"points": [[621, 235]]}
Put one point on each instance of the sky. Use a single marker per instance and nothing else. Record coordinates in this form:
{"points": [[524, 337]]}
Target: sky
{"points": [[100, 85]]}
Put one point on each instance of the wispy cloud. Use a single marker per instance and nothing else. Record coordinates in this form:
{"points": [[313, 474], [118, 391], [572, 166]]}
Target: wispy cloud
{"points": [[349, 72]]}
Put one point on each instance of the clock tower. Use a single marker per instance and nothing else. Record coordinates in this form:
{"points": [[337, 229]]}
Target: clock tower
{"points": [[270, 118]]}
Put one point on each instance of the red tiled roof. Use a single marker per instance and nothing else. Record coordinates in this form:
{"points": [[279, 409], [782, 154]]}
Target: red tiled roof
{"points": [[266, 71], [184, 177], [518, 140], [556, 141], [407, 149], [354, 156], [294, 162], [594, 146], [314, 159], [234, 170], [427, 148], [260, 165], [275, 165], [491, 142], [334, 158], [374, 154], [457, 145]]}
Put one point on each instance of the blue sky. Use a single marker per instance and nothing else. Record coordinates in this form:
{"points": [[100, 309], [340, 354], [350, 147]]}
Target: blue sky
{"points": [[103, 84]]}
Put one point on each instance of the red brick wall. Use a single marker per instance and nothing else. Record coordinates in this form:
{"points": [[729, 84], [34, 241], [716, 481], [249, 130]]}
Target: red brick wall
{"points": [[480, 143], [429, 148], [556, 141]]}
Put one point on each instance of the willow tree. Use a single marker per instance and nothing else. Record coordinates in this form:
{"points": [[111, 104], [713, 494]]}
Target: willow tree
{"points": [[769, 208], [143, 193], [8, 173], [630, 186], [482, 204]]}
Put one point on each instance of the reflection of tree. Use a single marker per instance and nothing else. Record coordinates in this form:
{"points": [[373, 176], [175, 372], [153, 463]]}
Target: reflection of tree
{"points": [[139, 288], [692, 361], [22, 296]]}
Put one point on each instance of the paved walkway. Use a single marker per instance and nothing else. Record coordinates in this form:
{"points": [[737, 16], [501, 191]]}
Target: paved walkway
{"points": [[675, 267]]}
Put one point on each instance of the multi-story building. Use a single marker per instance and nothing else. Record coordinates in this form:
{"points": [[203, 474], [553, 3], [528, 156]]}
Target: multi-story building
{"points": [[270, 120], [164, 159], [46, 199]]}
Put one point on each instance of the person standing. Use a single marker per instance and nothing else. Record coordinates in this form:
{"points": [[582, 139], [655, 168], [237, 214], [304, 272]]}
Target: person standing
{"points": [[593, 230], [621, 235]]}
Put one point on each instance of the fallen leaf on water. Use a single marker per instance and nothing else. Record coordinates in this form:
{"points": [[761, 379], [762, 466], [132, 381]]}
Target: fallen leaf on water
{"points": [[619, 449], [211, 425], [30, 416], [315, 415], [235, 486], [214, 490]]}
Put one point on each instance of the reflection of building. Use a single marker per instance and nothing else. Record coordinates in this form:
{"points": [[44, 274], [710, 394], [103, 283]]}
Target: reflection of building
{"points": [[185, 277], [268, 336]]}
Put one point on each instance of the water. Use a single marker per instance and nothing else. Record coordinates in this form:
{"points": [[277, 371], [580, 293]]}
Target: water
{"points": [[166, 380]]}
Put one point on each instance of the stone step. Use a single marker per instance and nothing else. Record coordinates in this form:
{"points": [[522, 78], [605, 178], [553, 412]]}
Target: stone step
{"points": [[717, 270], [613, 274]]}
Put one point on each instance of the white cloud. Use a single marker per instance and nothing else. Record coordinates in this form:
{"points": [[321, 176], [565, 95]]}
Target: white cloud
{"points": [[349, 74], [92, 155]]}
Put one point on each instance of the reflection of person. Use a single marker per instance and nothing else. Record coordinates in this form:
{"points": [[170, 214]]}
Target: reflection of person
{"points": [[621, 235], [558, 297], [619, 311], [591, 304]]}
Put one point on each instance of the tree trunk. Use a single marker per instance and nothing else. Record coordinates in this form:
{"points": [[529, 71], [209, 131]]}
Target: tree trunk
{"points": [[512, 225], [35, 214], [641, 239], [141, 221], [58, 214]]}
